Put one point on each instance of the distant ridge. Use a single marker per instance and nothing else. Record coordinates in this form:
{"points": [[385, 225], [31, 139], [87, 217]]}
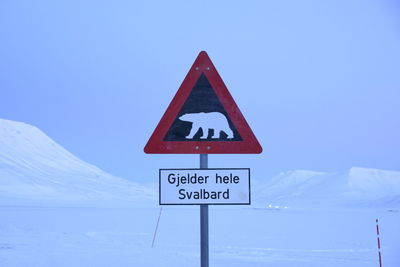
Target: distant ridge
{"points": [[357, 187], [34, 167]]}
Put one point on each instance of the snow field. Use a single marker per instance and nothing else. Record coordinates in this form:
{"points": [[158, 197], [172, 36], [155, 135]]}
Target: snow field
{"points": [[239, 236], [57, 210]]}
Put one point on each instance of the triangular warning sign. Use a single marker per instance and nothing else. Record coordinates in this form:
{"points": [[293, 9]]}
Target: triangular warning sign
{"points": [[203, 118]]}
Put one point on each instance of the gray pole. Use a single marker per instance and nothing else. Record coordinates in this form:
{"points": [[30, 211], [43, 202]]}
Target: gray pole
{"points": [[204, 260]]}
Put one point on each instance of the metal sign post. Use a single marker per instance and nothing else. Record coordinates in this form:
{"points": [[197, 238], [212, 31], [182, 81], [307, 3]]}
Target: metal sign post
{"points": [[204, 259]]}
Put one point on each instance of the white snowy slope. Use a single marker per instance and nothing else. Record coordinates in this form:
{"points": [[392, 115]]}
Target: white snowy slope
{"points": [[358, 187], [34, 167]]}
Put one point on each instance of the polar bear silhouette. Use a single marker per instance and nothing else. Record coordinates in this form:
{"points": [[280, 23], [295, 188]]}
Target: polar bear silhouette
{"points": [[207, 121]]}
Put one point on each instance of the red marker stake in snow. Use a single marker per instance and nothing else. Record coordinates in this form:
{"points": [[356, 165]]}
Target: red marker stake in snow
{"points": [[379, 244]]}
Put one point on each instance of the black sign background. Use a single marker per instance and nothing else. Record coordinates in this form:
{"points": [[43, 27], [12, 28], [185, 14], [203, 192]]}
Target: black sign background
{"points": [[201, 99]]}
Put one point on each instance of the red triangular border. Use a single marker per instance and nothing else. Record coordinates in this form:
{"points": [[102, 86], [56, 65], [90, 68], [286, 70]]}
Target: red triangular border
{"points": [[156, 143]]}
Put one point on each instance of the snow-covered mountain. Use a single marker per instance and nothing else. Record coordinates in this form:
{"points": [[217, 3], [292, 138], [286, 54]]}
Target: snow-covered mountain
{"points": [[358, 187], [34, 167]]}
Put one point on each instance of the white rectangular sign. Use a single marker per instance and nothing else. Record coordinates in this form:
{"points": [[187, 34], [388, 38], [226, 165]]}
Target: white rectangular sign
{"points": [[204, 186]]}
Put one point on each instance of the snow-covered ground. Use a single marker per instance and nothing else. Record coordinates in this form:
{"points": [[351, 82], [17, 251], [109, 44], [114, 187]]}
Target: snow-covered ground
{"points": [[62, 236], [56, 210]]}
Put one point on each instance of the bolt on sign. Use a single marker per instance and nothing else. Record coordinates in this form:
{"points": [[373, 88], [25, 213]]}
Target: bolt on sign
{"points": [[203, 118]]}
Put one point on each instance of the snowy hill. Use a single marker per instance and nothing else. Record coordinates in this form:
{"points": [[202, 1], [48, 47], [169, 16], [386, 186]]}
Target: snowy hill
{"points": [[34, 167], [358, 187]]}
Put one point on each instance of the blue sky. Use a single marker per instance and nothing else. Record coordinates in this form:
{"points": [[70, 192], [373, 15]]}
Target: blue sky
{"points": [[318, 81]]}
